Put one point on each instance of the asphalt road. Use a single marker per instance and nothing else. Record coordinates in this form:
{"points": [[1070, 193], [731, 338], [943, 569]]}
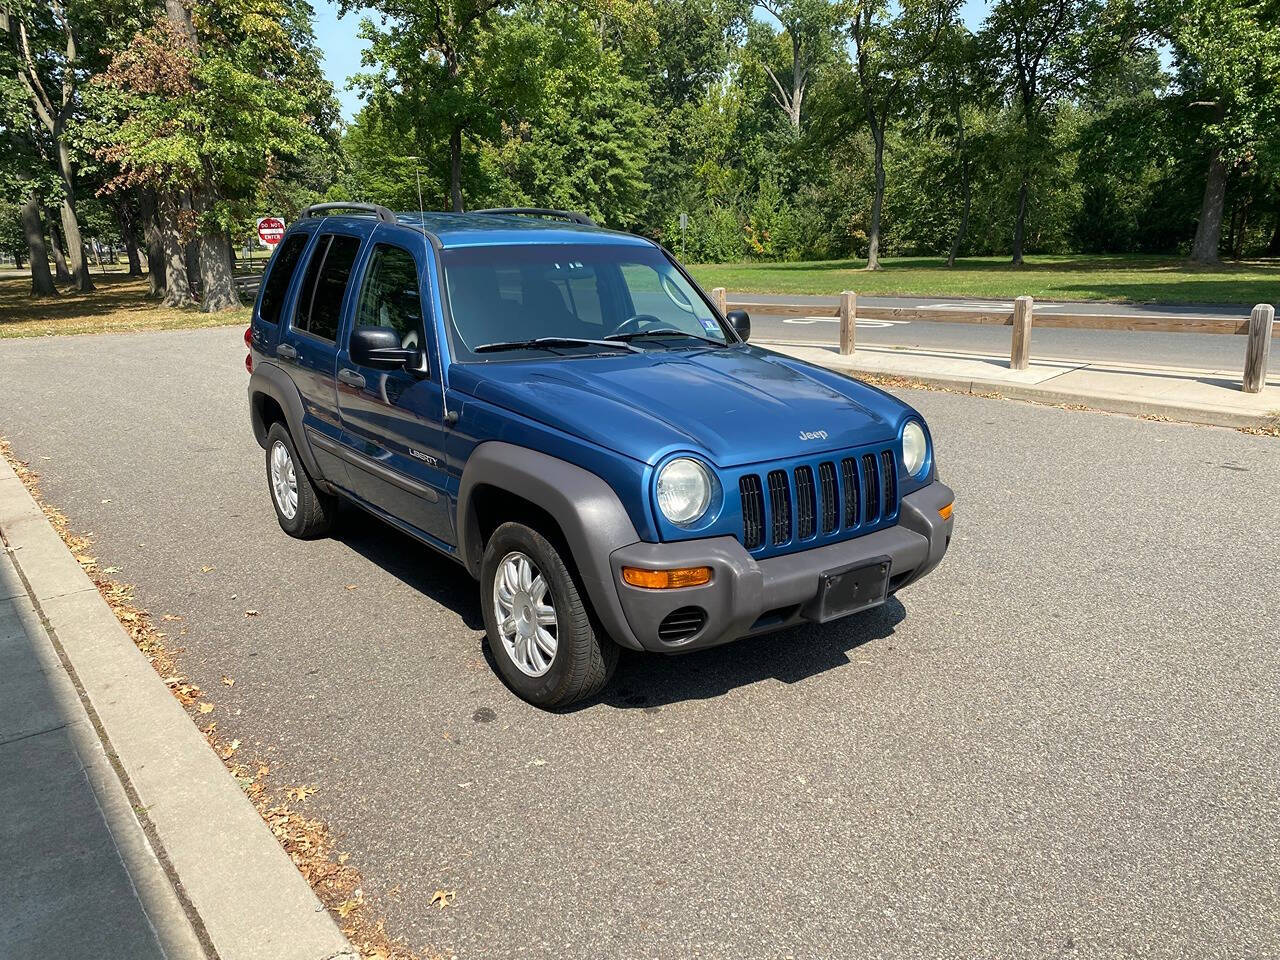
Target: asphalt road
{"points": [[1197, 351], [1064, 742]]}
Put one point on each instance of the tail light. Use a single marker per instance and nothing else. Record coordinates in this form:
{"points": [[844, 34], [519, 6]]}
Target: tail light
{"points": [[248, 342]]}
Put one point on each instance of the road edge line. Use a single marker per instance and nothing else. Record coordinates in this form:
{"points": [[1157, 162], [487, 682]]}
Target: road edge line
{"points": [[247, 896]]}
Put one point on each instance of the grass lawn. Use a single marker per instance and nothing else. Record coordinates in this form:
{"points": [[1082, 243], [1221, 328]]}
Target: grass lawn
{"points": [[118, 304], [1067, 277]]}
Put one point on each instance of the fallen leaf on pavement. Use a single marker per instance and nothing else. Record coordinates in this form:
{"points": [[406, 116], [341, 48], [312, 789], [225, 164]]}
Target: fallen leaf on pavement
{"points": [[111, 570], [251, 613], [206, 569], [205, 708], [442, 898], [351, 586], [171, 616], [227, 681], [300, 793], [348, 906]]}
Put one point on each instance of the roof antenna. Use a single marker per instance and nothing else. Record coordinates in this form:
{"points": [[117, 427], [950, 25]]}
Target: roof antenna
{"points": [[417, 173]]}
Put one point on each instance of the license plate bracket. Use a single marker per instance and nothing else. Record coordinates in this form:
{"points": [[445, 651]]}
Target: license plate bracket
{"points": [[847, 590]]}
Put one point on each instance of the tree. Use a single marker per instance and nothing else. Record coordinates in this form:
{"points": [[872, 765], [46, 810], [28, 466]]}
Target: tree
{"points": [[810, 29], [47, 61], [1226, 57], [1046, 51], [437, 71], [887, 51], [585, 140], [203, 106]]}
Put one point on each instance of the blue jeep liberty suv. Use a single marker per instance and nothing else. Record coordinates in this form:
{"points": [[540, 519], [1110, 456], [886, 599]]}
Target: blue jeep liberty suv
{"points": [[563, 411]]}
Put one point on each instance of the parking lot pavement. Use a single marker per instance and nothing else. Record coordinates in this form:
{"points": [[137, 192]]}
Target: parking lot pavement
{"points": [[1064, 741]]}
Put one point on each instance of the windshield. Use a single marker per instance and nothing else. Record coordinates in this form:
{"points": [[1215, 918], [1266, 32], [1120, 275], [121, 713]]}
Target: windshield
{"points": [[511, 295]]}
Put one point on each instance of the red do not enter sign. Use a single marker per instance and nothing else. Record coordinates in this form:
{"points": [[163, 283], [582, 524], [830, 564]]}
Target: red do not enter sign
{"points": [[270, 230]]}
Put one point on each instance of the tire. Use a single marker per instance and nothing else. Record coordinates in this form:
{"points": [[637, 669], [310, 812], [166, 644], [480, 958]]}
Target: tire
{"points": [[312, 510], [582, 659]]}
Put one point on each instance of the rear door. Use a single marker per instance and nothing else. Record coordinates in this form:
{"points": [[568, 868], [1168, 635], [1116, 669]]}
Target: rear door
{"points": [[308, 346], [393, 419]]}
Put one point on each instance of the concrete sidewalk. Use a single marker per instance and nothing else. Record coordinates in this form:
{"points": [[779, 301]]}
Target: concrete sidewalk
{"points": [[1196, 396], [93, 747], [80, 878]]}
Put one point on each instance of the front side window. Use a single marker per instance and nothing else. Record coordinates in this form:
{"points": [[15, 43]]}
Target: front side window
{"points": [[324, 286], [279, 273], [389, 296], [508, 294]]}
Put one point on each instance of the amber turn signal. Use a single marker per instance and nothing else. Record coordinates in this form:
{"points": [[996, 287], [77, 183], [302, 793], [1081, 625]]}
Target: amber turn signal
{"points": [[667, 579], [945, 512]]}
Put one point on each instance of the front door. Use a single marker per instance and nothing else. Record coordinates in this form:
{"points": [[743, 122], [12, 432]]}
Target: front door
{"points": [[392, 419]]}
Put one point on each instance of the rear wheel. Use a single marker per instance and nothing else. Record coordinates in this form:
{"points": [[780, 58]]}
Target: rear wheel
{"points": [[304, 511], [539, 625]]}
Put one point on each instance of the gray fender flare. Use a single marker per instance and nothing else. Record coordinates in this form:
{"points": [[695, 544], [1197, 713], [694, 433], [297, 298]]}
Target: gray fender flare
{"points": [[589, 513], [269, 379]]}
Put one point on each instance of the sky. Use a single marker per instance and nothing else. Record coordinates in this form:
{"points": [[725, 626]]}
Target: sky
{"points": [[342, 48]]}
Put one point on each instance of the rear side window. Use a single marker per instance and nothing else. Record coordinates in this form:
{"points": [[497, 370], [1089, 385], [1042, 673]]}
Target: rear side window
{"points": [[280, 273], [389, 296], [324, 286]]}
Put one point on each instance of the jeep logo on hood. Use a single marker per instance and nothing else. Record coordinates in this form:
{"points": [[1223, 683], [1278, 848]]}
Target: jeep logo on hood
{"points": [[813, 435]]}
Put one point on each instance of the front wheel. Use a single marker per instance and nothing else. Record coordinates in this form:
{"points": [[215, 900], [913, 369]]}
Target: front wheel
{"points": [[538, 624]]}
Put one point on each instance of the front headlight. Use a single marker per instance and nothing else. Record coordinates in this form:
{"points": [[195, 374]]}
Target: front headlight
{"points": [[915, 448], [684, 490]]}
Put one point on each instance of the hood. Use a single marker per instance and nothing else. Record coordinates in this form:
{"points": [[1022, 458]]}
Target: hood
{"points": [[734, 405]]}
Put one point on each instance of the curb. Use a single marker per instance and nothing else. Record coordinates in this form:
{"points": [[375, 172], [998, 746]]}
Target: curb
{"points": [[241, 888], [1106, 402]]}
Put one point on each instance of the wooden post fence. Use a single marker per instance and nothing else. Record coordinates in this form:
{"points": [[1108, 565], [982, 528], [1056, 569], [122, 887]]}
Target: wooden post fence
{"points": [[1020, 353], [848, 321], [722, 300], [1259, 347]]}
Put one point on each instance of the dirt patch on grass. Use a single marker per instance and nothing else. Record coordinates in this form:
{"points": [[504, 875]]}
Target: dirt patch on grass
{"points": [[119, 304]]}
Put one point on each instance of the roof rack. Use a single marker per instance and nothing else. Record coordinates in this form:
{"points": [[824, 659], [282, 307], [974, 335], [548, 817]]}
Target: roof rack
{"points": [[323, 209], [581, 218]]}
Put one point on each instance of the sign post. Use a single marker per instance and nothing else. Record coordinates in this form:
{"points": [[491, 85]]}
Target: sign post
{"points": [[270, 230]]}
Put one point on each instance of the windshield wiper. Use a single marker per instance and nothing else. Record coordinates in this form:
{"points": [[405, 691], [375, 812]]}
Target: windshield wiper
{"points": [[666, 332], [547, 343]]}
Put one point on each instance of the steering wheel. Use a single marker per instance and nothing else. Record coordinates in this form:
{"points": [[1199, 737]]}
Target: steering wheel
{"points": [[635, 321]]}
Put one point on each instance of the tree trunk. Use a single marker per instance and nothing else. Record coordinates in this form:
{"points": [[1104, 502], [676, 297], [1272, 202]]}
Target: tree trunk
{"points": [[877, 201], [177, 290], [33, 230], [1204, 249], [966, 194], [61, 273], [128, 230], [455, 168], [1020, 226], [1273, 246], [217, 285], [70, 222], [155, 242]]}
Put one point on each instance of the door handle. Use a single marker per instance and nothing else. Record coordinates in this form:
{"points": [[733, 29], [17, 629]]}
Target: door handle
{"points": [[287, 352], [351, 378]]}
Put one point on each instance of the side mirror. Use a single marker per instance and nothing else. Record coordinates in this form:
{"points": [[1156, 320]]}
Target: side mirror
{"points": [[740, 320], [379, 347]]}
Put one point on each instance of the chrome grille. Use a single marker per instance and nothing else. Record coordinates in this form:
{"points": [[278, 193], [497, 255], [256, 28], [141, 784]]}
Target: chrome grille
{"points": [[805, 495], [822, 498], [752, 511], [830, 496], [780, 506]]}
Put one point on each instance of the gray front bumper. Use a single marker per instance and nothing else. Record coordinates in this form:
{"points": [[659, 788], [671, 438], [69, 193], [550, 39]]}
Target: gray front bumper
{"points": [[748, 596]]}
